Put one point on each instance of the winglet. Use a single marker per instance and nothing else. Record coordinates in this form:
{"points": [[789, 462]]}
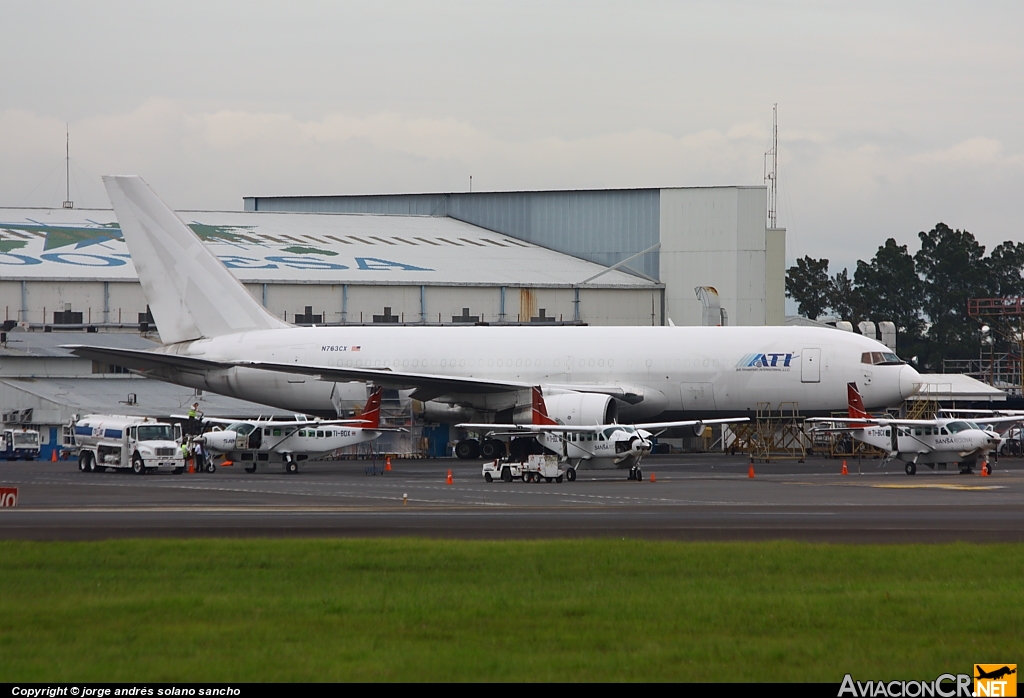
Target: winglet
{"points": [[856, 409], [370, 418], [540, 409]]}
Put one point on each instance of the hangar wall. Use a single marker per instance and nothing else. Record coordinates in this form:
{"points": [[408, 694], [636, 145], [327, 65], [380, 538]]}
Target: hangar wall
{"points": [[709, 236]]}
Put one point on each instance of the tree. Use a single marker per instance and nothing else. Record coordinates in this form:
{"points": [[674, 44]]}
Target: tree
{"points": [[843, 299], [807, 283], [954, 268], [890, 288], [1006, 270]]}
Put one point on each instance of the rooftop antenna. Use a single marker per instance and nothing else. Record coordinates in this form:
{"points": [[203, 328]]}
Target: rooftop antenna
{"points": [[771, 174], [68, 203]]}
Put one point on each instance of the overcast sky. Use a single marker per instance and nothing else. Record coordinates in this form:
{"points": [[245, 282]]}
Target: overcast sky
{"points": [[892, 116]]}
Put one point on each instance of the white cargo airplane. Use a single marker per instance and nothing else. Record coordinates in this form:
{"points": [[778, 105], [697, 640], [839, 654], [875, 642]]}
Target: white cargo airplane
{"points": [[919, 441], [289, 442], [217, 337], [600, 446]]}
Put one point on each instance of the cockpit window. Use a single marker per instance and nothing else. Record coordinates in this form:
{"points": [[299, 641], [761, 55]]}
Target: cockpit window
{"points": [[957, 427], [241, 428], [880, 358]]}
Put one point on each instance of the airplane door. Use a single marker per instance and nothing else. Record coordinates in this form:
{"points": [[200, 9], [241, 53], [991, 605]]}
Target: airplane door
{"points": [[698, 397], [810, 365]]}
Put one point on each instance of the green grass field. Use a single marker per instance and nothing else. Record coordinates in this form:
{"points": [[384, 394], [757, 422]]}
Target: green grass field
{"points": [[417, 609]]}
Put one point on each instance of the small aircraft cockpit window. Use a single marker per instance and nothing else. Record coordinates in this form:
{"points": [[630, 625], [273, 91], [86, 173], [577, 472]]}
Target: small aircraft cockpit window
{"points": [[241, 428], [957, 427], [609, 431]]}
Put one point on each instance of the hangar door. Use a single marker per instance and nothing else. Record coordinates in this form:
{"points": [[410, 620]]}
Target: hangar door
{"points": [[810, 366]]}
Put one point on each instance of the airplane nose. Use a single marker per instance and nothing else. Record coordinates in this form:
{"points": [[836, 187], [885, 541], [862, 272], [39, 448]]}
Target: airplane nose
{"points": [[910, 381]]}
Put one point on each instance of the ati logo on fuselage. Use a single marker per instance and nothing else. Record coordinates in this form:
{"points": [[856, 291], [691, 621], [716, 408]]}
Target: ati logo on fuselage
{"points": [[776, 361]]}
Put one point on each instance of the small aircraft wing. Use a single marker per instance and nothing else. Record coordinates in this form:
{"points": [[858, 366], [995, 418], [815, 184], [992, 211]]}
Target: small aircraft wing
{"points": [[876, 421], [690, 423], [513, 429], [278, 423], [998, 420]]}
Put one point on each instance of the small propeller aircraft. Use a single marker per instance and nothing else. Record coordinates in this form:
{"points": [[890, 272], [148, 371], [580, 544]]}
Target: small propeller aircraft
{"points": [[599, 446], [288, 442], [919, 441]]}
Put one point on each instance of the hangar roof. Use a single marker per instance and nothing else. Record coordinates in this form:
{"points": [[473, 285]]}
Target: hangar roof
{"points": [[86, 244], [110, 395]]}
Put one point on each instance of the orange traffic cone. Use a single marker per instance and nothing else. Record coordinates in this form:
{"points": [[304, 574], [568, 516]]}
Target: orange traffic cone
{"points": [[191, 465], [750, 471], [54, 457], [845, 471], [653, 479], [387, 464], [449, 480], [984, 468]]}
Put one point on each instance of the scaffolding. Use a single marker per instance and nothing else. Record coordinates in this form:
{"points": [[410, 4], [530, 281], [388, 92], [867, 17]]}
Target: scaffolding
{"points": [[774, 434], [395, 413], [838, 444], [1004, 316]]}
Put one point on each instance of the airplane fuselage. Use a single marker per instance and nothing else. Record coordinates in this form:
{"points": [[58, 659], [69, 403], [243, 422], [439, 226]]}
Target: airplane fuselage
{"points": [[931, 444], [684, 371], [282, 441]]}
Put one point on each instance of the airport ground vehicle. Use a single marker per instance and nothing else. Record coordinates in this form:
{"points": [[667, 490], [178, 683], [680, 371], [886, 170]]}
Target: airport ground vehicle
{"points": [[534, 469], [141, 444], [20, 444]]}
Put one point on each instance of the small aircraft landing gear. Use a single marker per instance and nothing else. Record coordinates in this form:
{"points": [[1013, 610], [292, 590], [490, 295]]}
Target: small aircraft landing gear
{"points": [[570, 474], [636, 474], [251, 468], [911, 468], [291, 466]]}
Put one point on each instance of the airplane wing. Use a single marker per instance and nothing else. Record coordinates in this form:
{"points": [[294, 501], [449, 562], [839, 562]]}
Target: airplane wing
{"points": [[998, 420], [514, 429], [313, 423], [690, 423], [877, 421], [560, 428], [142, 360], [428, 386]]}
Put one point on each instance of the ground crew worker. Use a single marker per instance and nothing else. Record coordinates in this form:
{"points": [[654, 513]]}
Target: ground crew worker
{"points": [[184, 452], [193, 415]]}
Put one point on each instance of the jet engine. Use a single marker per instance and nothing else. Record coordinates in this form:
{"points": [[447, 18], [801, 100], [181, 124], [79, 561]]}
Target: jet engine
{"points": [[581, 409]]}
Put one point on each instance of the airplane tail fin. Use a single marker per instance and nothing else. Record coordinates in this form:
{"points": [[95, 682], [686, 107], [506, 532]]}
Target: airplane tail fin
{"points": [[190, 292], [856, 408], [371, 413], [540, 409]]}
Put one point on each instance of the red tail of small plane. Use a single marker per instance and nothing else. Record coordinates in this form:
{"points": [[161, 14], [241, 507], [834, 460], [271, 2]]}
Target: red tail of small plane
{"points": [[856, 409], [371, 413], [540, 410]]}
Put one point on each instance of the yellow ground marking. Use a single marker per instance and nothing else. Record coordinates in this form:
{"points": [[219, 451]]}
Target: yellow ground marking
{"points": [[970, 488]]}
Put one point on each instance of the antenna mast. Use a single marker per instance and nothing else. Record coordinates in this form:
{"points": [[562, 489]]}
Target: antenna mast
{"points": [[68, 203], [771, 175]]}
